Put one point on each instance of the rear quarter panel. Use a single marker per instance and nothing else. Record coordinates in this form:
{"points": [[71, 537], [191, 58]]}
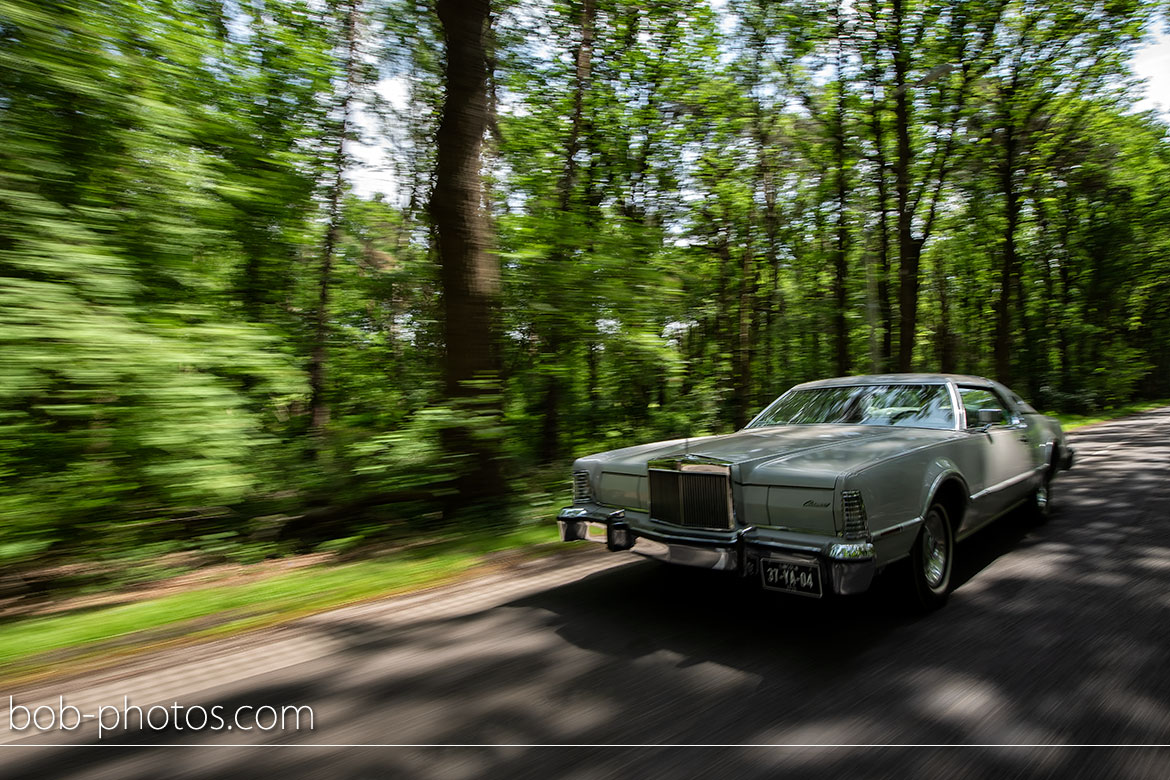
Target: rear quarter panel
{"points": [[1048, 436]]}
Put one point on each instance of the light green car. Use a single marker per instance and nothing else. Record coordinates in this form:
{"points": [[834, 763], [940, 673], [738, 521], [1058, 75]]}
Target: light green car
{"points": [[832, 482]]}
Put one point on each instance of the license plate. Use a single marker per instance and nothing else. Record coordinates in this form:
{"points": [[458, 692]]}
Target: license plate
{"points": [[791, 576]]}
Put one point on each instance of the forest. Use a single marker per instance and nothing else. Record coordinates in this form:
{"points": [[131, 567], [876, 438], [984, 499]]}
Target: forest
{"points": [[590, 223]]}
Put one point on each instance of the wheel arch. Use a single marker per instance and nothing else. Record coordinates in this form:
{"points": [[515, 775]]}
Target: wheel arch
{"points": [[1053, 452], [950, 489]]}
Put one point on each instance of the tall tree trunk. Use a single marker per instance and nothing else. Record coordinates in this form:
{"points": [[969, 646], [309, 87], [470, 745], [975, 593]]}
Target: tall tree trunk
{"points": [[945, 338], [1048, 300], [871, 308], [557, 348], [318, 408], [1008, 271], [909, 248], [840, 250], [769, 279], [742, 382], [470, 272], [886, 348], [1063, 346], [1027, 352]]}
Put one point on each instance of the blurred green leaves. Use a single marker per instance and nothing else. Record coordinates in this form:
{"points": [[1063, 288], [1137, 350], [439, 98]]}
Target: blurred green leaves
{"points": [[133, 390], [666, 222]]}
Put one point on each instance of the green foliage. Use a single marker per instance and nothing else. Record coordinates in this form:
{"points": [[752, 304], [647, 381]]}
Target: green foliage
{"points": [[136, 403], [693, 207]]}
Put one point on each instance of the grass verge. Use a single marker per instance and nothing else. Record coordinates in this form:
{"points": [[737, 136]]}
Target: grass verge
{"points": [[33, 646], [1070, 422]]}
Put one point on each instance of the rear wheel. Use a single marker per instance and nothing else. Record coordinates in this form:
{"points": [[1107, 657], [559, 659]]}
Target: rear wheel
{"points": [[932, 560], [1040, 504]]}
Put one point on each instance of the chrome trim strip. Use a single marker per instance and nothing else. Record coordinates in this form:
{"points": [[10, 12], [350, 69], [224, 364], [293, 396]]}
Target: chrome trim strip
{"points": [[756, 542], [718, 558], [670, 536], [893, 529], [1005, 484], [957, 407], [793, 530], [691, 462]]}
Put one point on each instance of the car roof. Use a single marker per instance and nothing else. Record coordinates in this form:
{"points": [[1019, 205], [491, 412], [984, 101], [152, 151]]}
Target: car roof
{"points": [[899, 379]]}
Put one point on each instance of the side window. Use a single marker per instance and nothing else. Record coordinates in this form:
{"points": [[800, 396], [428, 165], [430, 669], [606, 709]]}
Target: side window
{"points": [[975, 398]]}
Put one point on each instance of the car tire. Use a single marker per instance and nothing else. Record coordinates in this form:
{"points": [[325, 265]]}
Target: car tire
{"points": [[932, 561], [1040, 501]]}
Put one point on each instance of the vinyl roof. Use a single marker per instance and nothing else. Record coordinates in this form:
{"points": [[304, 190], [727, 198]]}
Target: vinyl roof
{"points": [[900, 379]]}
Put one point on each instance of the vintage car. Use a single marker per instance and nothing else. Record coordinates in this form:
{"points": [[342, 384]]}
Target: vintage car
{"points": [[831, 483]]}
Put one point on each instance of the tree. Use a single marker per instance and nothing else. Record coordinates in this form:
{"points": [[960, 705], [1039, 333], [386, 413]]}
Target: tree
{"points": [[608, 222], [348, 43], [925, 59], [1053, 58], [561, 325], [470, 270]]}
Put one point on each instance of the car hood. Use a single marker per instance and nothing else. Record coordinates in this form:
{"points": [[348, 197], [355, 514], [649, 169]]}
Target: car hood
{"points": [[798, 455]]}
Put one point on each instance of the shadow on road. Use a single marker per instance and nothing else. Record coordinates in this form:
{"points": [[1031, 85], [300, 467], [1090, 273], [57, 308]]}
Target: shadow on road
{"points": [[1054, 635]]}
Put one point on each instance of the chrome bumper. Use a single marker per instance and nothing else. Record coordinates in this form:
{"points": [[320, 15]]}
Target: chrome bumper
{"points": [[848, 567]]}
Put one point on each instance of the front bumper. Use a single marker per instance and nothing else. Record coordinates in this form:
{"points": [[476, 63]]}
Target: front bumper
{"points": [[845, 567]]}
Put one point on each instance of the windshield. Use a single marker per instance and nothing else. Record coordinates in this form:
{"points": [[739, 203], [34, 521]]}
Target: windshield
{"points": [[911, 406]]}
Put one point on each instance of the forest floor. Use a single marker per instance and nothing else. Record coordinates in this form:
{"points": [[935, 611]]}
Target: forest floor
{"points": [[40, 636]]}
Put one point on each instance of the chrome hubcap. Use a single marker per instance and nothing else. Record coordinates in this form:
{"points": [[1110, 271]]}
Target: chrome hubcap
{"points": [[1042, 497], [934, 550]]}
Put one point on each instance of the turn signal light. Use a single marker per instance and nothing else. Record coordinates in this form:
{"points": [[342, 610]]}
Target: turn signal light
{"points": [[856, 523], [582, 491]]}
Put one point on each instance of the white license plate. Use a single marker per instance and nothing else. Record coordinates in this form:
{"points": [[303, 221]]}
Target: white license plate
{"points": [[791, 576]]}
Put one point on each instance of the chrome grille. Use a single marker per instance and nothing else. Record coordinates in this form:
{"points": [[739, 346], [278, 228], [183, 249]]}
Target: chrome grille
{"points": [[694, 499], [665, 500]]}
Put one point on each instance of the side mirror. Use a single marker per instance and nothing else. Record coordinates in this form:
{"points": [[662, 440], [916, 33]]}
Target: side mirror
{"points": [[988, 417]]}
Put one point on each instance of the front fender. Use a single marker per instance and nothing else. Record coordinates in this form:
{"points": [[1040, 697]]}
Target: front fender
{"points": [[944, 469], [898, 494]]}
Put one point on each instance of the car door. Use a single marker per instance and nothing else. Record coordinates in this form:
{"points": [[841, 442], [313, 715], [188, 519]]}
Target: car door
{"points": [[1002, 453]]}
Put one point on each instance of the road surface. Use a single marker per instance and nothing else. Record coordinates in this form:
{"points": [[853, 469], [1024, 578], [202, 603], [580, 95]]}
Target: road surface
{"points": [[1058, 635]]}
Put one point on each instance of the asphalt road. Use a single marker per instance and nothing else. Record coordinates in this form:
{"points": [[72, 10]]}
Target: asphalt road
{"points": [[1056, 635]]}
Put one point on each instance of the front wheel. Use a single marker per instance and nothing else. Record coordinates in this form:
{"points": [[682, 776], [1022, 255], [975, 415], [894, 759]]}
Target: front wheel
{"points": [[932, 560]]}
